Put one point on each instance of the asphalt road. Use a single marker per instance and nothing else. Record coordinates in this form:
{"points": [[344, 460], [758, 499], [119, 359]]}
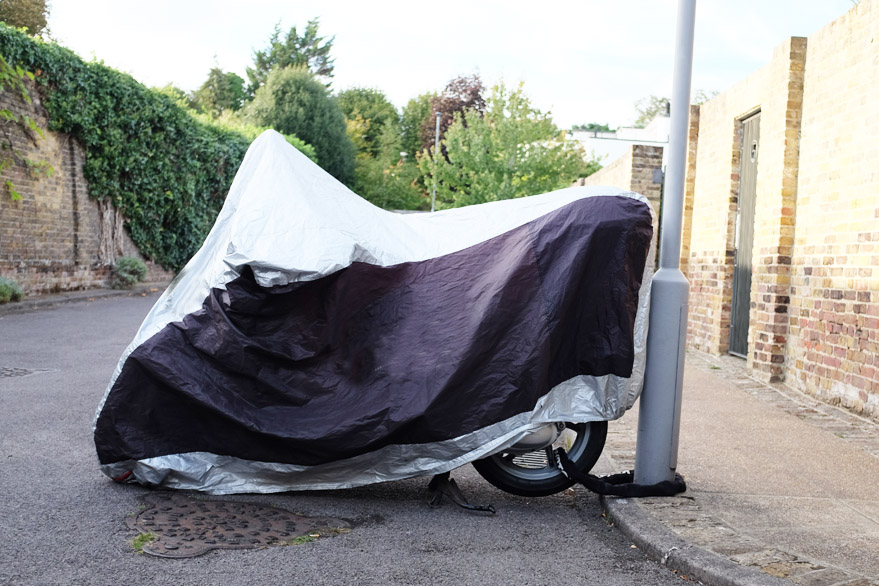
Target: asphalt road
{"points": [[62, 522]]}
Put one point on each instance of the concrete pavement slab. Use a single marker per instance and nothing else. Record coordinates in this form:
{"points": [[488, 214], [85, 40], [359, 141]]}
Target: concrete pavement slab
{"points": [[777, 482]]}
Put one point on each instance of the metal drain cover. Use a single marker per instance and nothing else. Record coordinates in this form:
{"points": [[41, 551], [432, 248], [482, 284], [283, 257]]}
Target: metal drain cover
{"points": [[182, 526]]}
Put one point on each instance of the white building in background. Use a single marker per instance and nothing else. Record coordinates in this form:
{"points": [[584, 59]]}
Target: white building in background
{"points": [[607, 147]]}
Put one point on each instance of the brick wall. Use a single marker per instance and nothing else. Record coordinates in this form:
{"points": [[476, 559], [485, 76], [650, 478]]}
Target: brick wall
{"points": [[774, 227], [647, 173], [834, 333], [689, 186], [616, 174], [639, 170], [56, 237], [775, 91], [814, 311]]}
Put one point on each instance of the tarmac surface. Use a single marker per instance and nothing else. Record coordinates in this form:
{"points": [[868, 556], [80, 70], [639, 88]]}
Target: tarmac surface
{"points": [[781, 489], [62, 522]]}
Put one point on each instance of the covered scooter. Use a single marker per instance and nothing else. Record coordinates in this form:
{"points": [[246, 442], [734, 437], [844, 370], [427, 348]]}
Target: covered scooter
{"points": [[318, 342]]}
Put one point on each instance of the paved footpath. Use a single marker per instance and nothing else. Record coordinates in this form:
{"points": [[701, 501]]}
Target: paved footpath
{"points": [[779, 485]]}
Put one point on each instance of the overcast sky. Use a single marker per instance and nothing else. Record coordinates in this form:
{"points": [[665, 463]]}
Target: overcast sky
{"points": [[585, 60]]}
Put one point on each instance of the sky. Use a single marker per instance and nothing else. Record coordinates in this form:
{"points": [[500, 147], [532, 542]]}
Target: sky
{"points": [[583, 61]]}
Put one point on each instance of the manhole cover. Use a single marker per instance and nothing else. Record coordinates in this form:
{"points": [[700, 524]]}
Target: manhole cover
{"points": [[178, 526], [10, 371]]}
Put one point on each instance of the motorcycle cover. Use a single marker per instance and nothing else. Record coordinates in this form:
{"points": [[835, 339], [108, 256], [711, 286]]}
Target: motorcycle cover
{"points": [[318, 342]]}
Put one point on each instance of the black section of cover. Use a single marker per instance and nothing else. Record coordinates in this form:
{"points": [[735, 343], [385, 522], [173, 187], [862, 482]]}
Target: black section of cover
{"points": [[371, 356]]}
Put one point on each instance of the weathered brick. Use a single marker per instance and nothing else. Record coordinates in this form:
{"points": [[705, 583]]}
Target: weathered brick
{"points": [[815, 231], [50, 240]]}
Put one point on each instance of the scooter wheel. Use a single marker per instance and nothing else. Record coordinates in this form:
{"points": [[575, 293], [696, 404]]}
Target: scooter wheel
{"points": [[536, 473]]}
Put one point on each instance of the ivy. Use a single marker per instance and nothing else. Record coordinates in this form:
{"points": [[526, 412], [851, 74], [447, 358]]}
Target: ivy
{"points": [[167, 172], [12, 79]]}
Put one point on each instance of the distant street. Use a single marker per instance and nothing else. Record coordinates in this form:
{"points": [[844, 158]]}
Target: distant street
{"points": [[63, 523]]}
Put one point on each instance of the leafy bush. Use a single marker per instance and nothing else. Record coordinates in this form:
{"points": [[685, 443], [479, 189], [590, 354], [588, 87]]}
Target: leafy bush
{"points": [[380, 115], [293, 101], [9, 290], [390, 186], [509, 150], [382, 176], [167, 172], [128, 271], [232, 122]]}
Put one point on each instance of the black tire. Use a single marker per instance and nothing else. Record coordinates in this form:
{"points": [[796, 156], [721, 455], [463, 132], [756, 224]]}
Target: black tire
{"points": [[534, 474]]}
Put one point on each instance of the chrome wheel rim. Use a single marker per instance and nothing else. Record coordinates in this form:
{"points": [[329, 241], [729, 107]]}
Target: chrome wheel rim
{"points": [[540, 464]]}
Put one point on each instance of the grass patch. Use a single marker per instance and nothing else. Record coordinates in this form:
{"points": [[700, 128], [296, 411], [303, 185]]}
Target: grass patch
{"points": [[325, 532], [141, 540]]}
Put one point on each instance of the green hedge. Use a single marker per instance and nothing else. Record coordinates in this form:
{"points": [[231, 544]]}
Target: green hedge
{"points": [[167, 172]]}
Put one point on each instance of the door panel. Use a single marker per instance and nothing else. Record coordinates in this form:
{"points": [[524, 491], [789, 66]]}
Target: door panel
{"points": [[741, 299]]}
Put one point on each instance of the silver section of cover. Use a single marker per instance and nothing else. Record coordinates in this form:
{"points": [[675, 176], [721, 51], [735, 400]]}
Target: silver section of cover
{"points": [[580, 399]]}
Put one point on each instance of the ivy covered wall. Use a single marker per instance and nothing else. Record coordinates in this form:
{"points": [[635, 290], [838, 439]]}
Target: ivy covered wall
{"points": [[165, 171]]}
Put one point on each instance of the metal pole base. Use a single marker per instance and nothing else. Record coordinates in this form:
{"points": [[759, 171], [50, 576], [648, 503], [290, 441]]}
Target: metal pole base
{"points": [[659, 417]]}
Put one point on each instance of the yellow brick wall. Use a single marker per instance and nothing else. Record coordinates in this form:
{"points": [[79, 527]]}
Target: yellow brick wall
{"points": [[616, 174], [638, 170], [773, 91], [689, 186], [774, 225], [833, 347]]}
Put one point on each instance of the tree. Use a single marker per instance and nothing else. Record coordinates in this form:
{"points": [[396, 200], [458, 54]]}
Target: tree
{"points": [[387, 179], [648, 108], [702, 96], [392, 186], [27, 14], [232, 122], [356, 130], [592, 127], [371, 113], [382, 176], [510, 150], [221, 91], [179, 96], [309, 51], [461, 93], [411, 120], [292, 101]]}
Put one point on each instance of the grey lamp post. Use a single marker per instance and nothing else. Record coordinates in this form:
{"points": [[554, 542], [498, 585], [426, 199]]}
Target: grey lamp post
{"points": [[435, 155], [660, 411]]}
